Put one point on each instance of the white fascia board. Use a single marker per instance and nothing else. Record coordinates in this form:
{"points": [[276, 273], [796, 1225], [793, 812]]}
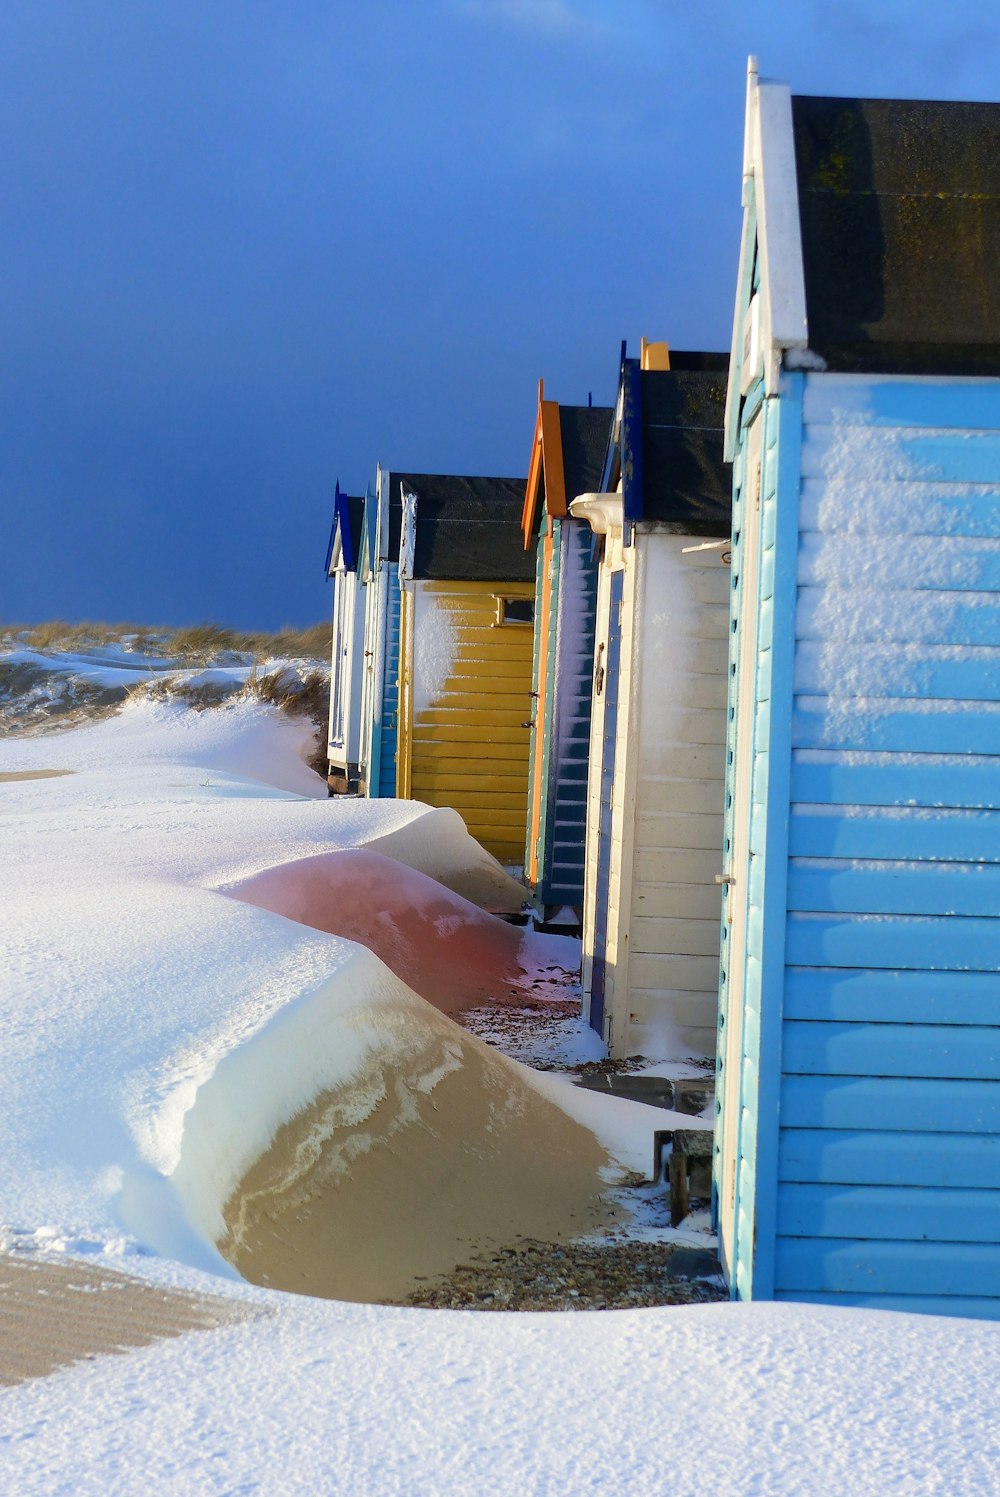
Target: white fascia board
{"points": [[604, 513], [382, 518], [779, 233], [746, 254], [408, 534]]}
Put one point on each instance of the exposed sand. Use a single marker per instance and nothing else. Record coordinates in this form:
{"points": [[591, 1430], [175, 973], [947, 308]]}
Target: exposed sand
{"points": [[442, 1148], [54, 1314], [33, 774]]}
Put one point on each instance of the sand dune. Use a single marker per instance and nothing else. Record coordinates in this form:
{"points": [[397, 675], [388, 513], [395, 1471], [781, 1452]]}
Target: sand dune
{"points": [[438, 1148]]}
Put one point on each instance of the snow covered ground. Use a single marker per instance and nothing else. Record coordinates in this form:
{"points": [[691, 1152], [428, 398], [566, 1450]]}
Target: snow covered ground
{"points": [[153, 1035]]}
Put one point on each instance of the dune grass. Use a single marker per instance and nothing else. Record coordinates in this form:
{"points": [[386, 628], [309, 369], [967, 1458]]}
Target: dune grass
{"points": [[197, 643]]}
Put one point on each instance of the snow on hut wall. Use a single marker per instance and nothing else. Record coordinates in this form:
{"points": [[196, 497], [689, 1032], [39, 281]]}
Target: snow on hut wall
{"points": [[678, 688], [466, 703], [664, 745]]}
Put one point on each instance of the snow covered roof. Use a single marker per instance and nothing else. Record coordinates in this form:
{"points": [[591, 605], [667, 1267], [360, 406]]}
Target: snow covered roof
{"points": [[899, 205], [467, 529]]}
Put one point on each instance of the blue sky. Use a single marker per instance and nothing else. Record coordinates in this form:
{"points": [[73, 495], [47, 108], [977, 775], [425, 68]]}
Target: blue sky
{"points": [[249, 247]]}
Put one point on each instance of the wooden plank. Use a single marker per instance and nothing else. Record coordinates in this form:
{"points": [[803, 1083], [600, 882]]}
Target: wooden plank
{"points": [[951, 563], [680, 829], [909, 506], [674, 865], [890, 1104], [691, 974], [688, 901], [929, 1268], [952, 1305], [944, 1160], [678, 937], [503, 808], [468, 665], [692, 1010], [470, 758], [858, 400], [942, 672], [855, 613], [455, 733], [915, 1050], [914, 453], [906, 834], [440, 715], [886, 725], [950, 780], [953, 944], [484, 694], [889, 1213], [930, 888], [449, 781], [826, 993]]}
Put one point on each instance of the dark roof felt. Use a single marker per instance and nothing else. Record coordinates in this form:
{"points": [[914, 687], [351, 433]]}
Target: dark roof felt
{"points": [[468, 529], [899, 201], [585, 431], [685, 483], [356, 514]]}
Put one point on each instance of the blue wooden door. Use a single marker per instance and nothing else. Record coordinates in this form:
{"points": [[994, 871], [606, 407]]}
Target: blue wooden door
{"points": [[606, 676]]}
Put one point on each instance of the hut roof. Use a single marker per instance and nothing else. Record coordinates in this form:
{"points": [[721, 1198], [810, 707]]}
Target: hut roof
{"points": [[467, 529], [899, 204], [685, 482], [348, 514], [585, 431]]}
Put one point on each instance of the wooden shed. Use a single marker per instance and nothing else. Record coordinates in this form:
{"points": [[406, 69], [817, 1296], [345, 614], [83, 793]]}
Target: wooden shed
{"points": [[465, 653], [347, 658], [380, 683], [657, 744], [568, 451], [858, 1142]]}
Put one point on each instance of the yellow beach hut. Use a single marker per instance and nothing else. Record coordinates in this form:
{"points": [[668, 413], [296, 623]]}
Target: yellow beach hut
{"points": [[465, 651]]}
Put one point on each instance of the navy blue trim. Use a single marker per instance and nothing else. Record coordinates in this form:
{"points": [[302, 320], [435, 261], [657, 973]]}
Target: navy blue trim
{"points": [[631, 443]]}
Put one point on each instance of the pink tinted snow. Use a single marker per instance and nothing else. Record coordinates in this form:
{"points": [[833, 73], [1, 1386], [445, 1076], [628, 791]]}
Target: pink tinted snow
{"points": [[449, 951]]}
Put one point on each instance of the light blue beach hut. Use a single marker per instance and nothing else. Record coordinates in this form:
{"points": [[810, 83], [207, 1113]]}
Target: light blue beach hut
{"points": [[858, 1137]]}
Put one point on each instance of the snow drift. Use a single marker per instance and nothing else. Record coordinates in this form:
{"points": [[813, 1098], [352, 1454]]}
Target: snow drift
{"points": [[444, 947]]}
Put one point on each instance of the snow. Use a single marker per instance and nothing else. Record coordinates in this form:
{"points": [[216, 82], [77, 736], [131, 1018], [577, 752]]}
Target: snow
{"points": [[435, 648], [770, 1400], [153, 1034]]}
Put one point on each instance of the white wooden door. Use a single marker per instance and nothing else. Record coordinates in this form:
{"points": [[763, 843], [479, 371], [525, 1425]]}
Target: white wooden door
{"points": [[737, 863]]}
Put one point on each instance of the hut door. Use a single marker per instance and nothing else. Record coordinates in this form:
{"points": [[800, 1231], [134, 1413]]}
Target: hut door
{"points": [[737, 861], [607, 664]]}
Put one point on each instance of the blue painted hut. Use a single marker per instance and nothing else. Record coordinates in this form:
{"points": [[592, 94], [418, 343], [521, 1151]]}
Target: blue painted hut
{"points": [[858, 1139], [657, 743], [347, 657], [568, 450]]}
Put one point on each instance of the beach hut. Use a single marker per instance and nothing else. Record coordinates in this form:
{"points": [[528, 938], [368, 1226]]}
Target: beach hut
{"points": [[655, 781], [858, 1142], [568, 450], [347, 659], [465, 653], [380, 677]]}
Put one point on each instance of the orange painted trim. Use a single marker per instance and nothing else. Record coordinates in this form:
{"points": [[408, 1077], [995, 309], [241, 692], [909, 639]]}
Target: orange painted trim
{"points": [[533, 487], [544, 626], [552, 456]]}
